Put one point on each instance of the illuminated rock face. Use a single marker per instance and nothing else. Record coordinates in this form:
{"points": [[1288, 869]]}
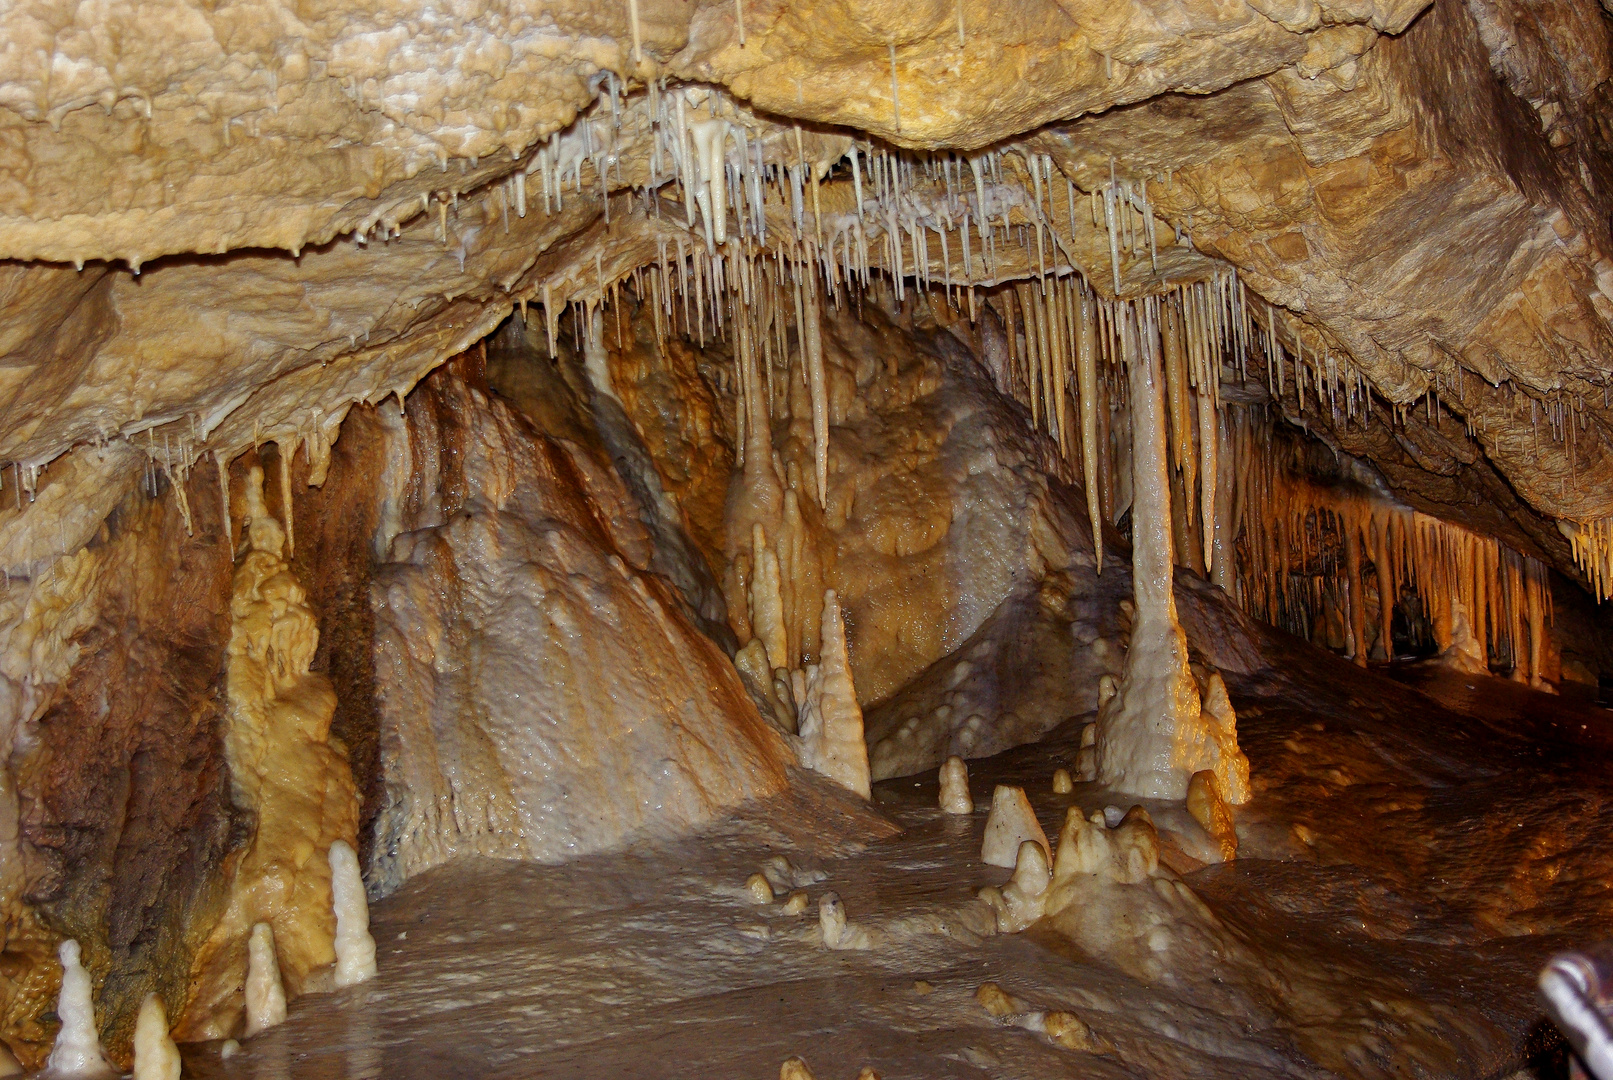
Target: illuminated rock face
{"points": [[761, 365], [541, 694], [286, 773]]}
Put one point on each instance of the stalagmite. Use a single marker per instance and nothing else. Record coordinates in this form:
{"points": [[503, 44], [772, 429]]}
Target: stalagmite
{"points": [[759, 889], [77, 1051], [1025, 895], [265, 996], [831, 725], [1062, 784], [836, 931], [955, 797], [1205, 805], [155, 1055], [355, 948], [767, 604], [1231, 769], [1010, 823], [1153, 735]]}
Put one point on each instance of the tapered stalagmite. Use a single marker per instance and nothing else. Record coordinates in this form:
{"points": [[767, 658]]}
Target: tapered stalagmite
{"points": [[265, 996], [767, 604], [77, 1051], [155, 1055], [1153, 734], [831, 725], [355, 948], [1010, 823]]}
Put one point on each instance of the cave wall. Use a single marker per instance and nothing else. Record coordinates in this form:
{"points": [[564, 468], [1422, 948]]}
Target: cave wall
{"points": [[126, 817]]}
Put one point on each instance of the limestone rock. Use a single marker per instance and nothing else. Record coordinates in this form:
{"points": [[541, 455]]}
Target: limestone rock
{"points": [[1010, 823]]}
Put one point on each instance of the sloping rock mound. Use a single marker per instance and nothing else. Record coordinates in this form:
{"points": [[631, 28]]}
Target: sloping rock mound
{"points": [[541, 694]]}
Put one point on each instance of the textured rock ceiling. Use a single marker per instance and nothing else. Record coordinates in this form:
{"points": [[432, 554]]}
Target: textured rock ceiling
{"points": [[282, 209]]}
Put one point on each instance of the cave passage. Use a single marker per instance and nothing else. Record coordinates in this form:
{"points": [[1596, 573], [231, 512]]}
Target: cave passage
{"points": [[732, 538]]}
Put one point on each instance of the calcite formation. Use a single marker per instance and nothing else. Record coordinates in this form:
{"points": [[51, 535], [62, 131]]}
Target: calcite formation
{"points": [[528, 430], [285, 771]]}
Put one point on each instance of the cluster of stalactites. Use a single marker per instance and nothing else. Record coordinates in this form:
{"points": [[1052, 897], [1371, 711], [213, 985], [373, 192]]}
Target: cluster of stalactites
{"points": [[1305, 549], [729, 183], [1065, 363], [1592, 543]]}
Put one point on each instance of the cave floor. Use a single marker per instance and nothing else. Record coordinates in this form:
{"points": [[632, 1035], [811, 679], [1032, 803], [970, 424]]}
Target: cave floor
{"points": [[1410, 858]]}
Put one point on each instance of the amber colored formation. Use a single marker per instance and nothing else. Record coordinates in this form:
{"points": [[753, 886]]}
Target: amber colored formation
{"points": [[531, 430]]}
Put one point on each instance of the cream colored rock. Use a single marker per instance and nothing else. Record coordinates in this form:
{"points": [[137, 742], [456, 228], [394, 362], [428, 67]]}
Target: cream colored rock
{"points": [[286, 770], [955, 797], [997, 1001], [265, 996], [836, 933], [1062, 784], [1231, 766], [1024, 898], [1127, 854], [758, 889], [355, 948], [794, 1069], [155, 1055], [796, 904], [831, 725], [584, 705], [77, 1051], [1206, 806], [1153, 733], [1010, 823]]}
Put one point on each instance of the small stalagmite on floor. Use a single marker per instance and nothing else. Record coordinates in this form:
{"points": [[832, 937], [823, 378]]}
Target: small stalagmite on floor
{"points": [[155, 1055], [1010, 823], [77, 1052], [355, 948], [265, 996], [955, 797]]}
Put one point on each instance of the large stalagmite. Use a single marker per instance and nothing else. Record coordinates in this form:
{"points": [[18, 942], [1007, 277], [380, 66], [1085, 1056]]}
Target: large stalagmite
{"points": [[1153, 735]]}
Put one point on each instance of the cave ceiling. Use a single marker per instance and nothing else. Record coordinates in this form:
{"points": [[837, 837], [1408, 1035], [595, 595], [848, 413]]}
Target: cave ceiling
{"points": [[224, 224]]}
